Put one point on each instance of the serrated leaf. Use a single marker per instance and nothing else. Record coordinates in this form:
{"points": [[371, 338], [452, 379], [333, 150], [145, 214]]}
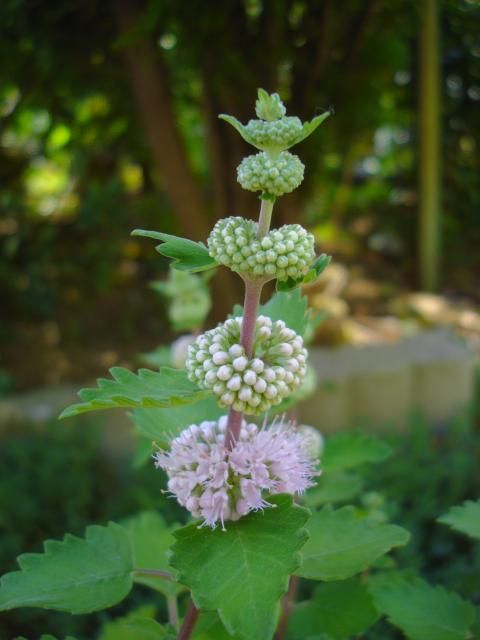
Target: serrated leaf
{"points": [[161, 425], [347, 450], [340, 609], [76, 575], [243, 571], [421, 611], [464, 518], [151, 539], [136, 626], [186, 255], [165, 388], [335, 486], [342, 544]]}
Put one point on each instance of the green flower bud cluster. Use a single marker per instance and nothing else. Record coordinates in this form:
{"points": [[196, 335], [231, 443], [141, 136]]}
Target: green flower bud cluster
{"points": [[274, 171], [283, 253], [269, 107], [276, 134], [273, 176], [217, 361]]}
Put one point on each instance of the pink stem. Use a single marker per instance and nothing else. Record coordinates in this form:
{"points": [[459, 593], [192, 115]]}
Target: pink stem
{"points": [[189, 622], [253, 291], [287, 606]]}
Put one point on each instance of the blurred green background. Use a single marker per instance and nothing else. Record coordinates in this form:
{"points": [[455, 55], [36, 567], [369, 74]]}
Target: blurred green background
{"points": [[108, 121]]}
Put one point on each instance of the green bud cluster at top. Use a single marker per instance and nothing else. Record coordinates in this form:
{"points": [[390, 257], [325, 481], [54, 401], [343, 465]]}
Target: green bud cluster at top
{"points": [[283, 253], [274, 171], [269, 107]]}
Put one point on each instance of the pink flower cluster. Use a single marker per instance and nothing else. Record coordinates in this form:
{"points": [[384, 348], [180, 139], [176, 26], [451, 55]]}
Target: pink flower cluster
{"points": [[217, 483]]}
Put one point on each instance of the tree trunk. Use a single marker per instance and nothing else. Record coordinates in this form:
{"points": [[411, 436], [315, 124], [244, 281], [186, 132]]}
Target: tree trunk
{"points": [[149, 82], [429, 150]]}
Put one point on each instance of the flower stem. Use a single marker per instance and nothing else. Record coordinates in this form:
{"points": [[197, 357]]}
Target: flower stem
{"points": [[155, 573], [172, 610], [265, 217], [189, 622], [253, 291], [287, 606]]}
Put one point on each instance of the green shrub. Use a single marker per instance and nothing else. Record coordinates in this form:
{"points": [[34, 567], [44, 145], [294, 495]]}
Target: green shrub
{"points": [[56, 478]]}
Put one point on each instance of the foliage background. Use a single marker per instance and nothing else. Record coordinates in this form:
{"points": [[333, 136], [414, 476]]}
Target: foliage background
{"points": [[108, 122]]}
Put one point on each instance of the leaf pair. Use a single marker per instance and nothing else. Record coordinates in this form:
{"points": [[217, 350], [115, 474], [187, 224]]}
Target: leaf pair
{"points": [[342, 610], [187, 255], [246, 568], [307, 129]]}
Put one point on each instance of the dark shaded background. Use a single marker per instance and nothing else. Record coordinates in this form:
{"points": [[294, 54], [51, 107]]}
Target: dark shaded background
{"points": [[108, 121]]}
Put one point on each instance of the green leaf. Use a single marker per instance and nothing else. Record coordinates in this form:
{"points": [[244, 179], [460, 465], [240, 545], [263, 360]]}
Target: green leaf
{"points": [[236, 124], [342, 544], [464, 518], [309, 127], [161, 425], [421, 611], [318, 267], [210, 627], [335, 486], [347, 450], [186, 255], [137, 626], [76, 575], [151, 539], [291, 307], [243, 571], [165, 388], [339, 609], [160, 357]]}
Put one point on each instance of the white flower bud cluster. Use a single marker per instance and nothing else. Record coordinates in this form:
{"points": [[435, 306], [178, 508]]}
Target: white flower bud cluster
{"points": [[217, 361], [277, 134], [274, 176], [283, 253]]}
